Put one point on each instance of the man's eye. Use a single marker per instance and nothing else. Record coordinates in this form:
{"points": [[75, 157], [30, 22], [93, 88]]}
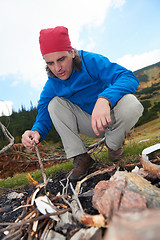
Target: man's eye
{"points": [[50, 63], [61, 59]]}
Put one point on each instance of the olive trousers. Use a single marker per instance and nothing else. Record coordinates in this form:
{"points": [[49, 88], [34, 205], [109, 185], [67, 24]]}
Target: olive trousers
{"points": [[70, 120]]}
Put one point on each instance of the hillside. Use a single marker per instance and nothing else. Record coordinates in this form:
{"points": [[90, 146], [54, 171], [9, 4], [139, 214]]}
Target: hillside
{"points": [[148, 76], [149, 92], [149, 130]]}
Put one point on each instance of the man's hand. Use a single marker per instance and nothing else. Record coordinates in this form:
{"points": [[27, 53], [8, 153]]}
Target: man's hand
{"points": [[101, 115], [29, 138]]}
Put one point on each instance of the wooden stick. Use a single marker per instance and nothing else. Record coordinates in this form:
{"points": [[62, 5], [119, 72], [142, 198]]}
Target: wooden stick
{"points": [[41, 165], [27, 221], [15, 235], [97, 144], [46, 229], [8, 136], [102, 171]]}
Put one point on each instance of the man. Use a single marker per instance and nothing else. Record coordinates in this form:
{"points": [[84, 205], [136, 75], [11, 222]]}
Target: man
{"points": [[85, 93]]}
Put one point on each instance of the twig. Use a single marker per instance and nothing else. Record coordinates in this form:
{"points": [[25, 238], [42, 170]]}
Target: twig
{"points": [[8, 136], [65, 188], [15, 235], [46, 229], [76, 198], [97, 144], [102, 171], [27, 221], [41, 165]]}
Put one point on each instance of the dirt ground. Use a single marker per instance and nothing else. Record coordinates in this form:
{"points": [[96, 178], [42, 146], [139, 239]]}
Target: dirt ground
{"points": [[19, 159]]}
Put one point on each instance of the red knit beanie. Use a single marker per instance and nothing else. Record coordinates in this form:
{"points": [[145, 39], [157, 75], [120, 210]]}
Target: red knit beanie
{"points": [[54, 40]]}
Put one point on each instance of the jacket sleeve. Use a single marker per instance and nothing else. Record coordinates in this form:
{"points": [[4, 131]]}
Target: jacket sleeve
{"points": [[117, 80], [43, 120]]}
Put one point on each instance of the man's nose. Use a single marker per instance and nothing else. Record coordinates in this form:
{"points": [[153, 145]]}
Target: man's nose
{"points": [[57, 67]]}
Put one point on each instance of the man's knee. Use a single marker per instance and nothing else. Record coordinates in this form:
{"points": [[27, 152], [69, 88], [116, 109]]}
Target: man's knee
{"points": [[129, 106], [128, 110], [54, 104], [133, 106]]}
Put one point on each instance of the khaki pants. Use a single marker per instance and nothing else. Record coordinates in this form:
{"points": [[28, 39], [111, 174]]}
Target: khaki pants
{"points": [[70, 120]]}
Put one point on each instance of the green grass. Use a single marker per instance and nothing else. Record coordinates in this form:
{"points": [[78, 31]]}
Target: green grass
{"points": [[132, 152], [21, 179]]}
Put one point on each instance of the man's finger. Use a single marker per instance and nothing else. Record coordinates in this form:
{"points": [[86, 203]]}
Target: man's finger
{"points": [[94, 126]]}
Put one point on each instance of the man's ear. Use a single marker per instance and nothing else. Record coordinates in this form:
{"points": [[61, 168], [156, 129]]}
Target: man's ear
{"points": [[73, 53]]}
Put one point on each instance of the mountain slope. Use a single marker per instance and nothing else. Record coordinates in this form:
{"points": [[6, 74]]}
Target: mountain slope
{"points": [[148, 76], [149, 92]]}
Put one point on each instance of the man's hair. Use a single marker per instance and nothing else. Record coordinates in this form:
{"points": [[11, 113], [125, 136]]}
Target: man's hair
{"points": [[77, 62]]}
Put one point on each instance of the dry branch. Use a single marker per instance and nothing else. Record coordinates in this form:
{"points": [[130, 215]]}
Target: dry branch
{"points": [[97, 144], [102, 171], [8, 136], [41, 165], [30, 220]]}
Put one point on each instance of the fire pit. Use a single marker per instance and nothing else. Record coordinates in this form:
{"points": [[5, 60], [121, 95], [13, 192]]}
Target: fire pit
{"points": [[88, 209]]}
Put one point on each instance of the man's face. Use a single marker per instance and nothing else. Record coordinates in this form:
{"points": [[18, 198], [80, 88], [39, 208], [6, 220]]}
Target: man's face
{"points": [[60, 63]]}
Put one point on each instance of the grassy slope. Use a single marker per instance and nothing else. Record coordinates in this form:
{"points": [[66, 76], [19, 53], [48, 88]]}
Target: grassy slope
{"points": [[150, 130], [148, 75]]}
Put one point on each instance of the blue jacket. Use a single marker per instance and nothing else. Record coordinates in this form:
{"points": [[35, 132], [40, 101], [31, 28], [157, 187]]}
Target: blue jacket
{"points": [[98, 78]]}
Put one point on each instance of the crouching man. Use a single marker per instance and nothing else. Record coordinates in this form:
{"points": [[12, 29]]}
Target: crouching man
{"points": [[85, 93]]}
